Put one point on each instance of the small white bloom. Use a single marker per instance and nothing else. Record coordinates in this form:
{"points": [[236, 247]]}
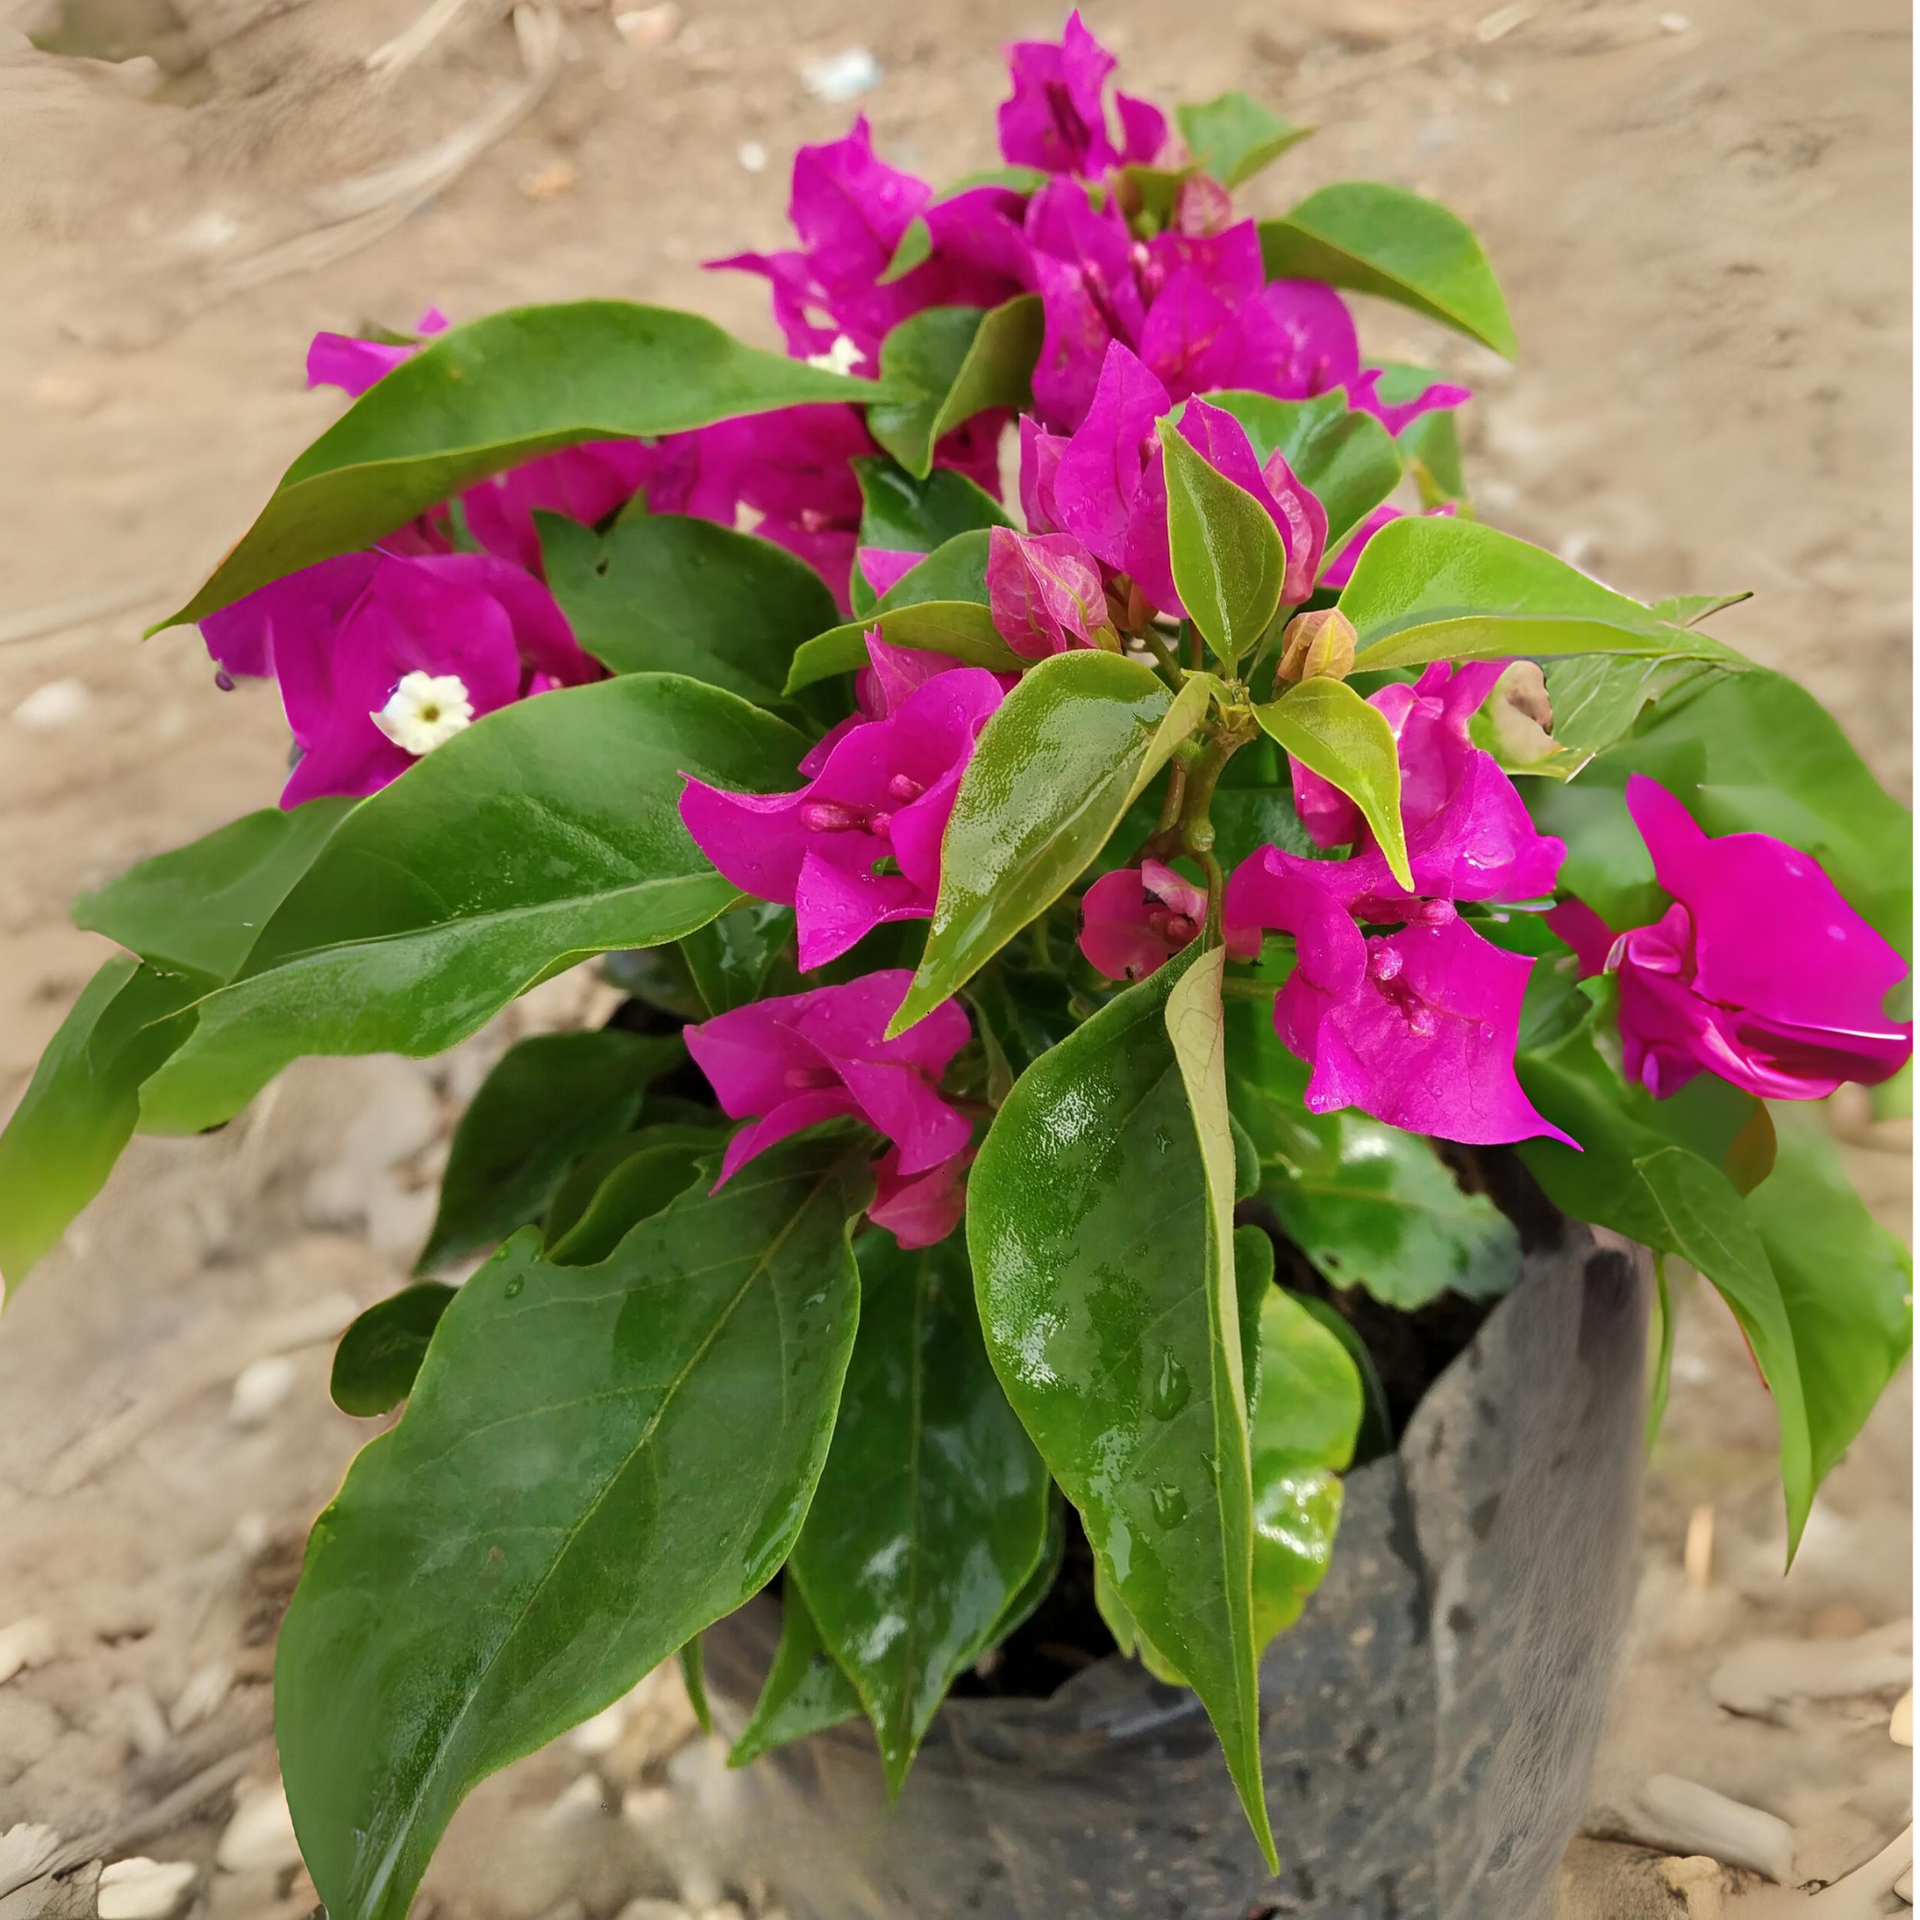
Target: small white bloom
{"points": [[842, 357], [425, 711]]}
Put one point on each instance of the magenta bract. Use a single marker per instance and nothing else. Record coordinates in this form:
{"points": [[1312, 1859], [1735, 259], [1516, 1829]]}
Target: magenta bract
{"points": [[1135, 919], [1056, 118], [1759, 972], [1045, 592]]}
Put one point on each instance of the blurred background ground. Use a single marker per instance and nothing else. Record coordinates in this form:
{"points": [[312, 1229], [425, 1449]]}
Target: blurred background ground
{"points": [[1701, 215]]}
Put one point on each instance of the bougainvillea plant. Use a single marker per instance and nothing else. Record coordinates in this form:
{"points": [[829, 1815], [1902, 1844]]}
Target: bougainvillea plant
{"points": [[1012, 877]]}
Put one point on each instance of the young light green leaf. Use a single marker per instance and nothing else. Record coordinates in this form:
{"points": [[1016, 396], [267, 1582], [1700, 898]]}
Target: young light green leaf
{"points": [[1438, 588], [941, 606], [667, 594], [1228, 558], [547, 1101], [946, 364], [1846, 1280], [80, 1107], [1112, 1157], [1306, 1418], [1389, 242], [1329, 729], [1234, 137], [693, 1676], [458, 1610], [1345, 458], [379, 1355], [201, 906], [486, 396], [934, 1506], [1689, 609], [1635, 1179], [1055, 769], [805, 1690], [541, 835]]}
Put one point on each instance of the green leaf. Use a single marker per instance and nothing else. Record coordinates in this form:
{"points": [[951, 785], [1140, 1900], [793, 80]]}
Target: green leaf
{"points": [[592, 1171], [1846, 1280], [1345, 458], [940, 606], [1386, 241], [1596, 698], [1328, 728], [1099, 1220], [547, 1101], [488, 395], [1689, 609], [945, 365], [201, 906], [1633, 1178], [1060, 762], [916, 243], [1434, 588], [1430, 443], [1306, 1417], [543, 834], [934, 1506], [1369, 1205], [544, 1525], [667, 594], [1746, 753], [732, 959], [907, 515], [693, 1676], [1375, 1436], [665, 1161], [1228, 559], [1234, 136], [805, 1691], [80, 1107], [379, 1355]]}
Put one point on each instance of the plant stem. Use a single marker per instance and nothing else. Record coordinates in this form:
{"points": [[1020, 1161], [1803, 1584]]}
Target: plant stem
{"points": [[1162, 653]]}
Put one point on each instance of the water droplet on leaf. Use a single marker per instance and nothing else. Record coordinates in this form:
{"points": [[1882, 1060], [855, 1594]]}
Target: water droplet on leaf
{"points": [[516, 1286], [1171, 1390], [1169, 1505]]}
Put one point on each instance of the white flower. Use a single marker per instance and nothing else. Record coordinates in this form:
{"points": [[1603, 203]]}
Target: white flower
{"points": [[425, 711], [842, 357]]}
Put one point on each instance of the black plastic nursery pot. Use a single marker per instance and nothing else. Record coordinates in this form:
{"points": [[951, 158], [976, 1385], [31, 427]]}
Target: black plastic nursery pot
{"points": [[1428, 1724]]}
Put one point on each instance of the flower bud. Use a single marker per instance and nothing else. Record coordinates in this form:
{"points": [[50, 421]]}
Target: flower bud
{"points": [[1318, 646], [1517, 719]]}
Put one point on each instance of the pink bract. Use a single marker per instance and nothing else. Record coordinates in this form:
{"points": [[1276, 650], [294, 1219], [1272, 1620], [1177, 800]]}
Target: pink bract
{"points": [[1759, 972], [1134, 920], [859, 844], [1056, 118], [1044, 591], [790, 1063]]}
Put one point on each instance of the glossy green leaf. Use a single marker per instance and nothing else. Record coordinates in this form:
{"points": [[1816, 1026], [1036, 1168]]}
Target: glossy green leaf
{"points": [[1374, 1437], [732, 959], [1253, 805], [1345, 458], [1391, 243], [1846, 1280], [1369, 1205], [200, 907], [805, 1691], [916, 243], [693, 1676], [1126, 1630], [941, 605], [668, 594], [1307, 1410], [1633, 1178], [665, 1162], [548, 1100], [1689, 609], [541, 835], [1228, 559], [592, 1171], [81, 1105], [903, 514], [1434, 588], [1328, 728], [545, 1525], [934, 1506], [486, 396], [946, 364], [1745, 753], [379, 1355], [1234, 137], [1056, 767], [1099, 1222]]}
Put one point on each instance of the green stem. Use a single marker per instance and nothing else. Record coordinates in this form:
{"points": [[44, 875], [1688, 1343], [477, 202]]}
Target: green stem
{"points": [[1162, 653], [1249, 989]]}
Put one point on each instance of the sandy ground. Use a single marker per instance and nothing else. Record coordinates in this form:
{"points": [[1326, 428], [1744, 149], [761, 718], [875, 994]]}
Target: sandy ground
{"points": [[1702, 222]]}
